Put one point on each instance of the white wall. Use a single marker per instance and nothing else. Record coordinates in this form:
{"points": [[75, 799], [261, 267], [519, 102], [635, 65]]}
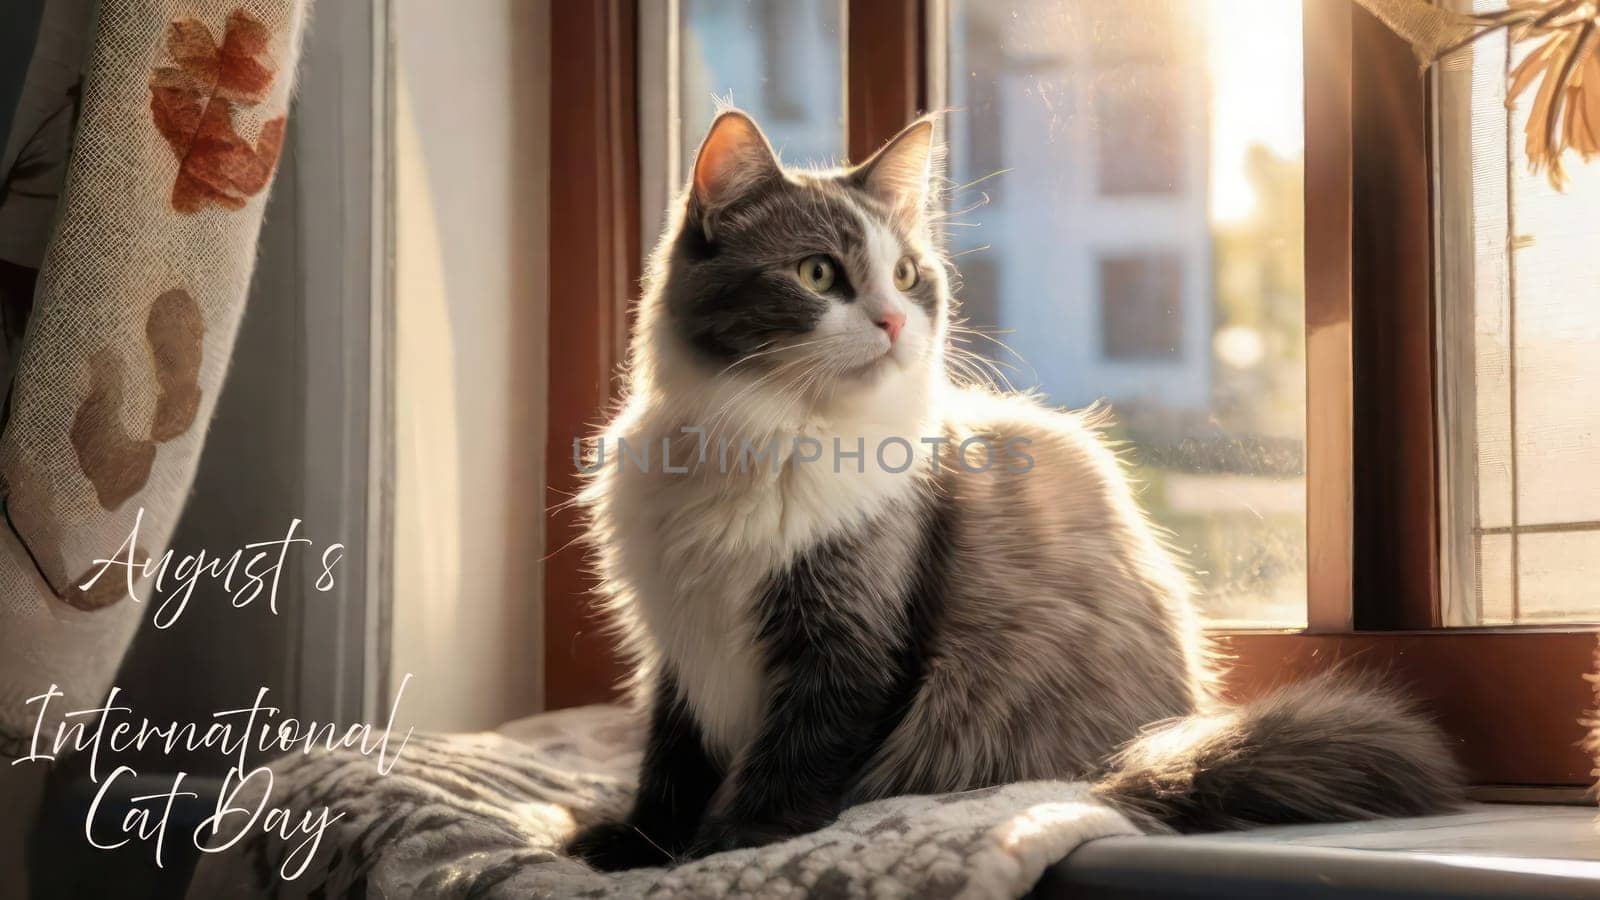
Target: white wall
{"points": [[472, 170]]}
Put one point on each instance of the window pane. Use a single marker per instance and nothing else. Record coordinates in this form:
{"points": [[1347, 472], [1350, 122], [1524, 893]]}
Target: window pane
{"points": [[1494, 579], [1134, 177], [780, 60], [1141, 306], [1559, 572], [1140, 146], [1522, 298]]}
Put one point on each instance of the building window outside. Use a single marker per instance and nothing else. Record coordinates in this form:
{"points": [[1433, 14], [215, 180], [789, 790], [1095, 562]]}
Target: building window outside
{"points": [[1141, 307]]}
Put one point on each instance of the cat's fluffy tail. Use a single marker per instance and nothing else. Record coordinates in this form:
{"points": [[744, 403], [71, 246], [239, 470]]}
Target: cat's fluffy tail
{"points": [[1334, 748]]}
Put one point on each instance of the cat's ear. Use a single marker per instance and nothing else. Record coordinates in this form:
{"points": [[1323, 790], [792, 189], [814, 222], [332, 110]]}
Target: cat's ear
{"points": [[734, 158], [900, 174]]}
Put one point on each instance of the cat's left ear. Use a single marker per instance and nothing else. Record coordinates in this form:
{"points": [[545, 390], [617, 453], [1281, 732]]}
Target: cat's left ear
{"points": [[900, 175]]}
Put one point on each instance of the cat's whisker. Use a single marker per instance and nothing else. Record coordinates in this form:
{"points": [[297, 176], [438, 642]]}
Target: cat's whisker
{"points": [[728, 406], [784, 375], [1023, 368], [979, 204], [970, 250], [980, 180], [974, 377], [769, 348], [988, 365]]}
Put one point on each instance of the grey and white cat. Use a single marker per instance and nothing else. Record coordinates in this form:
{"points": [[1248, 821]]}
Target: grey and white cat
{"points": [[816, 629]]}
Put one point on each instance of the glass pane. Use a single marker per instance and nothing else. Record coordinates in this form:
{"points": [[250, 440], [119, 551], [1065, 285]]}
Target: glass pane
{"points": [[1558, 573], [1494, 580], [780, 60], [1128, 221], [1533, 428]]}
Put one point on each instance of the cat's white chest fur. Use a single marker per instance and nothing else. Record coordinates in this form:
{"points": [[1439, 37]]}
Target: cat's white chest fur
{"points": [[692, 554]]}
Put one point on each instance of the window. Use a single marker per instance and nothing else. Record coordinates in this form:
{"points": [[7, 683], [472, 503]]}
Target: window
{"points": [[1141, 307], [1522, 360], [1123, 31], [984, 141], [1328, 443], [1117, 136], [1139, 147], [780, 60], [976, 289]]}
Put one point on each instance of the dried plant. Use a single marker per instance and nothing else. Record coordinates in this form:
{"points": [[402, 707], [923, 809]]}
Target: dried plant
{"points": [[1566, 110]]}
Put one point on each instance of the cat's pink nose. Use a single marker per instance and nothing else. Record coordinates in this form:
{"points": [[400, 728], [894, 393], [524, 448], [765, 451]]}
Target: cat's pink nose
{"points": [[892, 323]]}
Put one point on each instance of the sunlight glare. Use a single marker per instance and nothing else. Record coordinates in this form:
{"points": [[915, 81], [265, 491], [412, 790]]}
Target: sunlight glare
{"points": [[1255, 59]]}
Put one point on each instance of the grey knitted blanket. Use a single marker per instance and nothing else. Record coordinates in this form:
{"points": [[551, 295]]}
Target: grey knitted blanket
{"points": [[484, 816]]}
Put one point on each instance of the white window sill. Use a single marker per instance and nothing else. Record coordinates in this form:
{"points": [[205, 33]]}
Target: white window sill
{"points": [[1486, 851]]}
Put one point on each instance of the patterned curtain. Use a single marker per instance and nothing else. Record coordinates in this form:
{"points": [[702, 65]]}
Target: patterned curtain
{"points": [[180, 108]]}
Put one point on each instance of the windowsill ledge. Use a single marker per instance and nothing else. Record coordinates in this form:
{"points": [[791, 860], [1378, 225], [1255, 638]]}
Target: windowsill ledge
{"points": [[1486, 851]]}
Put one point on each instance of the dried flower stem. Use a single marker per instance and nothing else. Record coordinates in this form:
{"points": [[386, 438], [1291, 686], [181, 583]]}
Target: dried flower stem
{"points": [[1566, 109]]}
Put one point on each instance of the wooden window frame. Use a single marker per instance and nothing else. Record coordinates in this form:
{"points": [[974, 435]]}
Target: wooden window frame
{"points": [[1510, 697], [594, 255]]}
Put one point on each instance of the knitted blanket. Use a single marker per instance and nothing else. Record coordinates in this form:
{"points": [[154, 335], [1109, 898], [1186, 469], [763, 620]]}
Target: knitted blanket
{"points": [[484, 816]]}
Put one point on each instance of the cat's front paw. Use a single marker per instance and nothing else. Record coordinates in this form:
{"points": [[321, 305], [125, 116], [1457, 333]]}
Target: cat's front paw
{"points": [[719, 835], [615, 846]]}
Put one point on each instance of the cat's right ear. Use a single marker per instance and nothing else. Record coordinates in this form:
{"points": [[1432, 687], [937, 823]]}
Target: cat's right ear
{"points": [[734, 158]]}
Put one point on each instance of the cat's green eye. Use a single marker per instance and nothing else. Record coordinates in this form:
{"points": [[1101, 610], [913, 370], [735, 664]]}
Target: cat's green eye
{"points": [[905, 274], [817, 273]]}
